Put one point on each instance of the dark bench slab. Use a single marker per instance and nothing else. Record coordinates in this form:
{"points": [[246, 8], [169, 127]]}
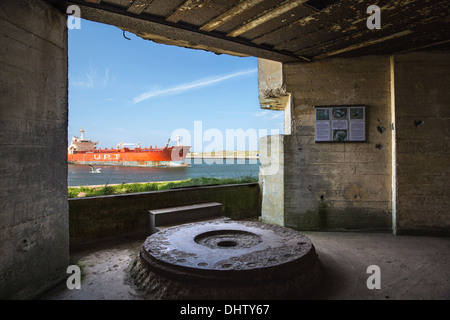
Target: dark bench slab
{"points": [[184, 214]]}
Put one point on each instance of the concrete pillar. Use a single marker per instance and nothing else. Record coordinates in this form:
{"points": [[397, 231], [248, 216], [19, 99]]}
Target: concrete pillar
{"points": [[271, 178], [422, 117], [34, 236], [273, 96]]}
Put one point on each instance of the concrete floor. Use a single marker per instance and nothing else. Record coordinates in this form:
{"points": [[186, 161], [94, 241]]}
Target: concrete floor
{"points": [[411, 268]]}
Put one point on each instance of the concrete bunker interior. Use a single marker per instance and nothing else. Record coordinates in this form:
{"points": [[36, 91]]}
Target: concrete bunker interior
{"points": [[395, 182]]}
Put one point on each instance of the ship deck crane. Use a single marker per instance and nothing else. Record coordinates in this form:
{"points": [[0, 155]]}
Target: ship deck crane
{"points": [[121, 144]]}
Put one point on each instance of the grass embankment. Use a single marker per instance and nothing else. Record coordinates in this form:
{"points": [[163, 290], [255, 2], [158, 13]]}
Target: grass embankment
{"points": [[89, 191]]}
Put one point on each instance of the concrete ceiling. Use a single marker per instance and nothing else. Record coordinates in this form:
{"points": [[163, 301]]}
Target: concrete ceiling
{"points": [[280, 30]]}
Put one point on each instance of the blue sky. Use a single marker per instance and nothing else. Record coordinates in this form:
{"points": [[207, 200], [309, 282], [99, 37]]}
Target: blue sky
{"points": [[139, 91]]}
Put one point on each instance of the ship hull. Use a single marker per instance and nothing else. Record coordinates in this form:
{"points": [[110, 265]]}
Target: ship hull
{"points": [[162, 157], [133, 163]]}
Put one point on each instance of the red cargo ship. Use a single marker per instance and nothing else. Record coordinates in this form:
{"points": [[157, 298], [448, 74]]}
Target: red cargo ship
{"points": [[84, 151]]}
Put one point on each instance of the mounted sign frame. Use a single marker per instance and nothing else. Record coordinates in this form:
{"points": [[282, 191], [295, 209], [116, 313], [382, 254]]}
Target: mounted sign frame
{"points": [[343, 123]]}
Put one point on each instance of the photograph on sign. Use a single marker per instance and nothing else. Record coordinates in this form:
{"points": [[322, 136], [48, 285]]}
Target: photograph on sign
{"points": [[357, 113], [339, 113], [322, 114], [340, 123], [340, 135], [323, 126]]}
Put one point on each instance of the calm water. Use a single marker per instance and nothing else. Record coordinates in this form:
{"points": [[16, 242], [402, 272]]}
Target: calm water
{"points": [[80, 175]]}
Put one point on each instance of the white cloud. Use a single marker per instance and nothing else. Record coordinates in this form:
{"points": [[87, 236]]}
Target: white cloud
{"points": [[190, 86], [268, 115], [91, 79], [276, 115], [261, 113]]}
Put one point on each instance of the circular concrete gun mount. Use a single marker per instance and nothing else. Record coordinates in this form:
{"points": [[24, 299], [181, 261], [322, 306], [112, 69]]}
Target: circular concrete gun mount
{"points": [[227, 259]]}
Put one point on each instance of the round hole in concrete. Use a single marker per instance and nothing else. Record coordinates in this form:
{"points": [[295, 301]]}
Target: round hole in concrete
{"points": [[228, 239], [227, 244]]}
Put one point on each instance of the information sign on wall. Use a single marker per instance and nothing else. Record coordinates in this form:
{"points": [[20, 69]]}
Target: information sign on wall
{"points": [[340, 123]]}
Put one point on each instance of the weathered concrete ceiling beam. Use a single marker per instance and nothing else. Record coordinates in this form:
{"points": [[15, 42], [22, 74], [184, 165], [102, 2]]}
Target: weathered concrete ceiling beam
{"points": [[364, 44], [271, 14], [354, 33], [185, 9], [435, 44], [284, 33], [174, 34], [334, 21], [285, 30], [138, 6], [230, 14]]}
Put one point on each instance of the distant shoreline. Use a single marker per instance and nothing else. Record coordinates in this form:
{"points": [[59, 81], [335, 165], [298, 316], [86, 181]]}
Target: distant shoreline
{"points": [[221, 157], [247, 155]]}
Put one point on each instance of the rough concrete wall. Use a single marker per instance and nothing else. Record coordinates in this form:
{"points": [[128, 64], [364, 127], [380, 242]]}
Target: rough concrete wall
{"points": [[338, 186], [33, 139], [99, 218], [271, 179], [422, 112], [272, 92]]}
